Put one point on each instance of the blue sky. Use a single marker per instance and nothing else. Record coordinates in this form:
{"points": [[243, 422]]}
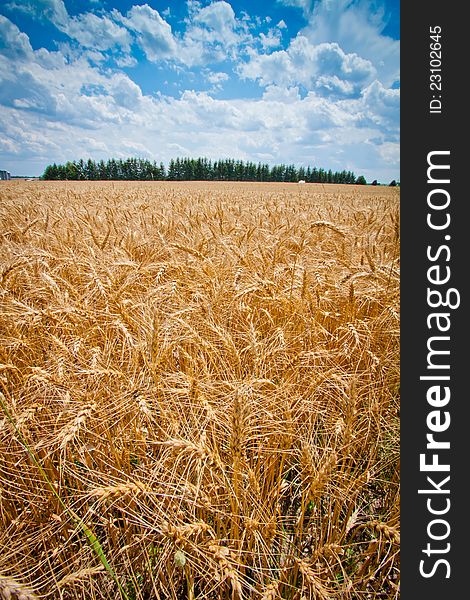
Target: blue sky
{"points": [[309, 82]]}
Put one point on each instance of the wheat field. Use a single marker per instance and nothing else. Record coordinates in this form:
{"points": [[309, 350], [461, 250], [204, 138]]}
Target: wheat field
{"points": [[200, 391]]}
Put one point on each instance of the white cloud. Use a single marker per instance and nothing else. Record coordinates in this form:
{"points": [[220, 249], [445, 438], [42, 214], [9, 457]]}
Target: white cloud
{"points": [[324, 67], [50, 10], [275, 93], [13, 43], [100, 33], [154, 34], [218, 16], [126, 61], [270, 40], [55, 86], [217, 77], [381, 106], [213, 34], [357, 27], [390, 152], [305, 5], [131, 147], [124, 91], [24, 90]]}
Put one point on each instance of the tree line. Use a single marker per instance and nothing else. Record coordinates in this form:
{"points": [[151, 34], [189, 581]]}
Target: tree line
{"points": [[188, 169]]}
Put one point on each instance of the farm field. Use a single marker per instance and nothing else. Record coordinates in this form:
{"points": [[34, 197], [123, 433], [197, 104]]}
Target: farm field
{"points": [[199, 391]]}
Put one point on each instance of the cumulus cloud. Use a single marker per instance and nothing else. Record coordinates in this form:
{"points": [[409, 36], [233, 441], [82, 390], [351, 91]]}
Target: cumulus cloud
{"points": [[46, 82], [100, 33], [356, 26], [218, 16], [24, 90], [381, 106], [217, 79], [154, 34], [49, 10], [275, 93], [270, 40], [14, 44], [124, 91], [88, 29], [325, 67], [213, 34]]}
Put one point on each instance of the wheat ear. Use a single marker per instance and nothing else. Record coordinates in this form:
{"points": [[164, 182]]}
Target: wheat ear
{"points": [[12, 590]]}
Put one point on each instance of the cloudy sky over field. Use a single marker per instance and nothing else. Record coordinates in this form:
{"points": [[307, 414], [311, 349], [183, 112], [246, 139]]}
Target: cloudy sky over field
{"points": [[309, 82]]}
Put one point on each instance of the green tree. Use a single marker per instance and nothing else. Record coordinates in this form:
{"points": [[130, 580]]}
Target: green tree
{"points": [[227, 169], [71, 171], [91, 171], [171, 171], [50, 172]]}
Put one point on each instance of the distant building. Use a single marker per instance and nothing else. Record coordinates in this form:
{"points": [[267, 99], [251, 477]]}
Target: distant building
{"points": [[302, 181], [4, 175]]}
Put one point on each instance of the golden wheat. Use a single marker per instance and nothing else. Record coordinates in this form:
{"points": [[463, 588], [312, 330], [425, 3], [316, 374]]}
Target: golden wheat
{"points": [[205, 377]]}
